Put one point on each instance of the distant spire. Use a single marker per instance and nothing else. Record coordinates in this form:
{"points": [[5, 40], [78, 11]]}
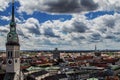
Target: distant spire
{"points": [[13, 18], [95, 48]]}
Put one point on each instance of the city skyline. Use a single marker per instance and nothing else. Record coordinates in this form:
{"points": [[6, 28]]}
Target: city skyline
{"points": [[74, 25]]}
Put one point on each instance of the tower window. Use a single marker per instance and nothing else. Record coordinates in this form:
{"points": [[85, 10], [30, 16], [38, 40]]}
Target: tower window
{"points": [[10, 54], [17, 54], [16, 61]]}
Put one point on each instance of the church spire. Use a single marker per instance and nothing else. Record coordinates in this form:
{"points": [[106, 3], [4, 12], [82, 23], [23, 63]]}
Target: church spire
{"points": [[12, 23], [12, 36], [13, 18], [13, 71], [95, 48]]}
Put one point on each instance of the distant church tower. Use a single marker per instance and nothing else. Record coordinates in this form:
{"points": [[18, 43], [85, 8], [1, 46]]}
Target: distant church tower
{"points": [[56, 54], [95, 48], [12, 52]]}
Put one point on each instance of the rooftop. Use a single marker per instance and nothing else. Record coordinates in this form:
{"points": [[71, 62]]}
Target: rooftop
{"points": [[56, 77], [39, 73]]}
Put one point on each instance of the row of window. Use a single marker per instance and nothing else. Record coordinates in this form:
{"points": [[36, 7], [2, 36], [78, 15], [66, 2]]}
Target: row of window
{"points": [[11, 54]]}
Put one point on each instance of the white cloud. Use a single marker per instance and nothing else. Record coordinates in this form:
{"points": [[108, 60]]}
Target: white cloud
{"points": [[3, 4], [109, 5], [6, 18], [3, 34], [77, 33], [66, 35]]}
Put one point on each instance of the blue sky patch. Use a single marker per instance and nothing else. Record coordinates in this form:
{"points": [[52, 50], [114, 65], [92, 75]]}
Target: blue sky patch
{"points": [[92, 15]]}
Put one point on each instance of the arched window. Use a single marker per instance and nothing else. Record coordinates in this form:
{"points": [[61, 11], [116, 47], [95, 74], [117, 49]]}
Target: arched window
{"points": [[10, 54], [15, 60], [17, 54]]}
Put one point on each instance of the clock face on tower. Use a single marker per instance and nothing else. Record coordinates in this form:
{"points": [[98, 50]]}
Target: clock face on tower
{"points": [[9, 61], [10, 35]]}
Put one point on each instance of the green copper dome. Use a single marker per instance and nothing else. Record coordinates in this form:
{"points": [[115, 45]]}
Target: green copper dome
{"points": [[12, 37]]}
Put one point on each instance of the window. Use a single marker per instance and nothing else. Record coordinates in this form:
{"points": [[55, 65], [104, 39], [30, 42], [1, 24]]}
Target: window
{"points": [[17, 54], [15, 60], [10, 54]]}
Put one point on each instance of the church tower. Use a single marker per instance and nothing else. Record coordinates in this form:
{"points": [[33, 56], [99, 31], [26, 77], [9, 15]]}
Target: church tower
{"points": [[12, 52]]}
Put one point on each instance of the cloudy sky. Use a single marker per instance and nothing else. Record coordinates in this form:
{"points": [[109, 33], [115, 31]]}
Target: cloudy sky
{"points": [[65, 24]]}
